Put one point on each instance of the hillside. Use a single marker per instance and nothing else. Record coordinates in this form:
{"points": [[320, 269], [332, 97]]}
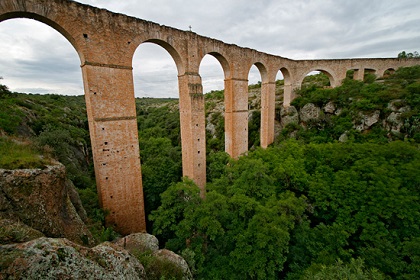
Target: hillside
{"points": [[338, 191]]}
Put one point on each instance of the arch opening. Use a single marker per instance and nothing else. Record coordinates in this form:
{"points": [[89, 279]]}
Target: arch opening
{"points": [[388, 72], [212, 73], [155, 71], [38, 18], [256, 75], [370, 75], [317, 78], [351, 74], [39, 62], [172, 51], [283, 85], [37, 58], [212, 76], [155, 77]]}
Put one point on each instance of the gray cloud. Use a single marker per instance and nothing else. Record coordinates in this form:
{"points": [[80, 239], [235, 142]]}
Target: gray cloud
{"points": [[36, 58]]}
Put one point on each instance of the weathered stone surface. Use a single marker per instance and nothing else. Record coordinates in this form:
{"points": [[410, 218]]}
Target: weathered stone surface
{"points": [[343, 137], [394, 122], [176, 259], [288, 115], [48, 258], [309, 112], [338, 111], [393, 105], [139, 242], [44, 200], [367, 120], [329, 108], [17, 232], [371, 119], [210, 127]]}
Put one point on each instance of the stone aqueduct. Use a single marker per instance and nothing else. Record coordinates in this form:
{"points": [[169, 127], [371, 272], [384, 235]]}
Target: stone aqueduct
{"points": [[106, 42]]}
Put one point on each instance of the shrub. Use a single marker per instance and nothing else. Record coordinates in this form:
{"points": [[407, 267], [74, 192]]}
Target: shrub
{"points": [[15, 155]]}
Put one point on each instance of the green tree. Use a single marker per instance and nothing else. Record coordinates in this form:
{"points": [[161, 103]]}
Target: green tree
{"points": [[355, 270], [403, 54]]}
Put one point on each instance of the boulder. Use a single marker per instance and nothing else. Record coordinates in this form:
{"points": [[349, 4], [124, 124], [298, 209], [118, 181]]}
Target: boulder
{"points": [[17, 232], [49, 258], [138, 242], [397, 106], [177, 260], [288, 115], [343, 137], [394, 122], [309, 112], [329, 108], [45, 200], [367, 120]]}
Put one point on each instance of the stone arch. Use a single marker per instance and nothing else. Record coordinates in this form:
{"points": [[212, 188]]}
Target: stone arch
{"points": [[257, 108], [170, 49], [386, 72], [110, 106], [334, 81], [371, 71], [223, 62], [288, 86], [59, 28], [263, 71], [368, 72]]}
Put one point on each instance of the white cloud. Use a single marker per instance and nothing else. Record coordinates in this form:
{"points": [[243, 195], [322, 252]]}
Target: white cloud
{"points": [[34, 57]]}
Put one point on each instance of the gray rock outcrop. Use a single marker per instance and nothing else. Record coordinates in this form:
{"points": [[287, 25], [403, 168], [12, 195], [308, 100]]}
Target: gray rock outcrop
{"points": [[49, 258], [141, 242], [288, 115], [309, 112], [367, 120], [330, 108], [45, 200], [177, 260]]}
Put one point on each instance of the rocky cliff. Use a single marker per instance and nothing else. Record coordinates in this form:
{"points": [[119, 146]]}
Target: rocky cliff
{"points": [[44, 200], [37, 204]]}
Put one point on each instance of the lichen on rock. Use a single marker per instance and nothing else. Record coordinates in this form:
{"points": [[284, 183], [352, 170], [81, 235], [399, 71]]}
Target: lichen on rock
{"points": [[45, 200], [49, 258]]}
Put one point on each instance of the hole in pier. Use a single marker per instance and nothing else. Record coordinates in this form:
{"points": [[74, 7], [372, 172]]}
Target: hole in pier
{"points": [[85, 35]]}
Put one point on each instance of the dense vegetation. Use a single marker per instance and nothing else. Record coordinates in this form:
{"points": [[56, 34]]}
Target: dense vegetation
{"points": [[356, 97], [295, 208], [309, 207]]}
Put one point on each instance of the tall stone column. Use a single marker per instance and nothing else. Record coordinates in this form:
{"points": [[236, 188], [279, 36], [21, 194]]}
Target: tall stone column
{"points": [[359, 74], [339, 78], [110, 104], [288, 95], [193, 129], [236, 117], [268, 107]]}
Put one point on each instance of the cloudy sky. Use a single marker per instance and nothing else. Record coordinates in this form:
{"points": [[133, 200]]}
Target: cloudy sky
{"points": [[36, 58]]}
